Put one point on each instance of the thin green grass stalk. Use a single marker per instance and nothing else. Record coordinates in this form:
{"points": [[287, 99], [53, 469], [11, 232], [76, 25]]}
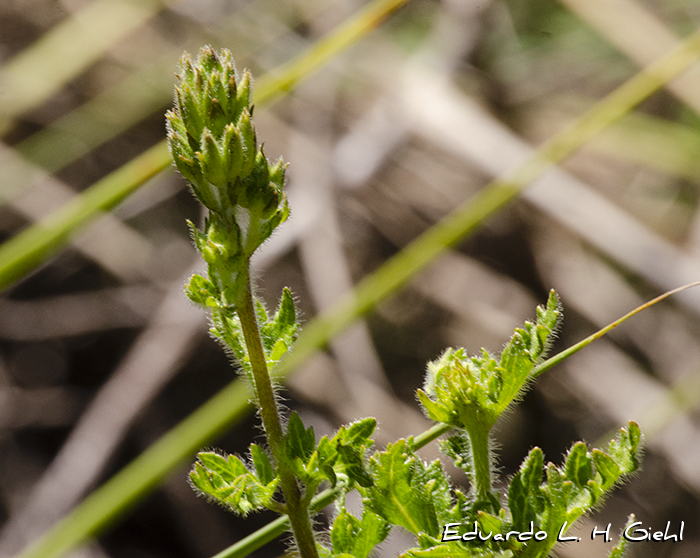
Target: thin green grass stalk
{"points": [[146, 90], [23, 253], [100, 509], [286, 77], [556, 359], [472, 213], [58, 56], [110, 113], [657, 143], [26, 251]]}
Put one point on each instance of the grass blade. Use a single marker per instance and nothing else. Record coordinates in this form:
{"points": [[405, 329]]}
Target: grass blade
{"points": [[21, 254], [556, 359], [60, 55]]}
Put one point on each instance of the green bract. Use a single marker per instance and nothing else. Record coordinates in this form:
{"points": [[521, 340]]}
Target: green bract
{"points": [[463, 391]]}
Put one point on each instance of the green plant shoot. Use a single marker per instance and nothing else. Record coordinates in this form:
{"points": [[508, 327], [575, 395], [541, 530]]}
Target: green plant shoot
{"points": [[213, 144]]}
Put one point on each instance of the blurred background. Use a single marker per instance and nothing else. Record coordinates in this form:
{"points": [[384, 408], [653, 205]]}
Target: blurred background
{"points": [[101, 354]]}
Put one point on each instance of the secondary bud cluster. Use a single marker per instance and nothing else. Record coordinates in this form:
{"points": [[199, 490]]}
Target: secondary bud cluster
{"points": [[460, 389], [213, 144]]}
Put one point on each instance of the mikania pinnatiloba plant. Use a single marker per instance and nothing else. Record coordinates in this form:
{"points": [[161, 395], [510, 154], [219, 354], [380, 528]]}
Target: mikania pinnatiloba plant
{"points": [[214, 146]]}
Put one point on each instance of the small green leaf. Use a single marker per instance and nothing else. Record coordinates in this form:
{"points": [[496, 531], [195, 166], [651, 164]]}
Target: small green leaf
{"points": [[278, 351], [607, 469], [457, 448], [248, 143], [618, 551], [489, 523], [357, 538], [353, 466], [436, 411], [525, 498], [556, 492], [219, 465], [200, 290], [300, 442], [373, 530], [579, 467], [516, 363], [345, 528], [262, 464], [626, 447], [200, 478], [243, 93], [286, 313], [396, 495], [359, 431], [212, 162]]}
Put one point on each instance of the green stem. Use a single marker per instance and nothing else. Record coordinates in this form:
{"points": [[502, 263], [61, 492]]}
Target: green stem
{"points": [[267, 404], [264, 393], [481, 463], [433, 433]]}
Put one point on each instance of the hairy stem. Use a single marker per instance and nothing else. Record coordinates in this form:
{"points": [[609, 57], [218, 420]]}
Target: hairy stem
{"points": [[481, 463], [297, 511]]}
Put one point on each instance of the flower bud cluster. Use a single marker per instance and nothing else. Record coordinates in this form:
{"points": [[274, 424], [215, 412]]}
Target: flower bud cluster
{"points": [[213, 144], [460, 389], [465, 391]]}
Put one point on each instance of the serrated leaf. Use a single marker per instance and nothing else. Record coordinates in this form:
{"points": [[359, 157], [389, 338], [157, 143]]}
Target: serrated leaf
{"points": [[625, 448], [395, 497], [199, 290], [219, 465], [200, 478], [343, 532], [525, 498], [618, 551], [489, 523], [357, 538], [556, 492], [231, 484], [300, 441], [351, 459], [457, 448], [236, 466], [436, 486], [373, 530], [516, 364]]}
